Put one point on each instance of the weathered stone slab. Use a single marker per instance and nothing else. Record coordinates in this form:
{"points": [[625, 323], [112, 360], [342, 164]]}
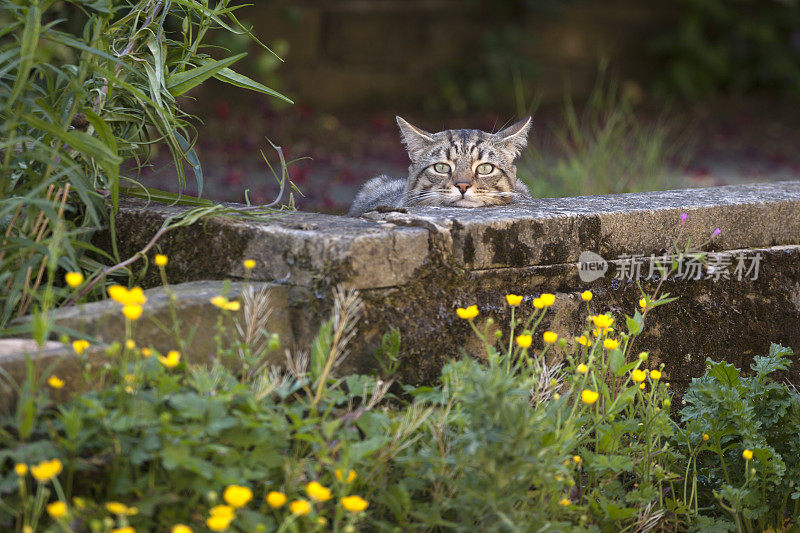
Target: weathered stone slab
{"points": [[295, 249], [556, 230], [102, 323]]}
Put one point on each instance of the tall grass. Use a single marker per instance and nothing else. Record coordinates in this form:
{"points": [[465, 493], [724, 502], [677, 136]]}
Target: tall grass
{"points": [[605, 147], [85, 86]]}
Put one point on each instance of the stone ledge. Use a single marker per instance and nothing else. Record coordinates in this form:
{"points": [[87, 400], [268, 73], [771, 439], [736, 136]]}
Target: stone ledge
{"points": [[556, 230], [103, 324], [293, 249], [389, 249]]}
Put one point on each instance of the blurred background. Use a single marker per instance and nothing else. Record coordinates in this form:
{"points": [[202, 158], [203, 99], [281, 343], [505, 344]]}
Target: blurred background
{"points": [[627, 95]]}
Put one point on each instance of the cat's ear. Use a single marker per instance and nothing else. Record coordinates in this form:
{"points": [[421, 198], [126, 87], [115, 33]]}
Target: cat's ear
{"points": [[515, 137], [415, 139]]}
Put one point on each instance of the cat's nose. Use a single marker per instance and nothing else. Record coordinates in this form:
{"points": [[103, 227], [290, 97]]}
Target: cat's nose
{"points": [[463, 186]]}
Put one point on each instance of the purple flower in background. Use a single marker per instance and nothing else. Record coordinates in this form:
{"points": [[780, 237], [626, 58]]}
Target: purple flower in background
{"points": [[716, 232], [684, 216]]}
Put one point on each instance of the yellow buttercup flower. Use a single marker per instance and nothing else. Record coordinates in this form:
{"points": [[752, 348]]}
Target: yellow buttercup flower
{"points": [[171, 360], [73, 279], [538, 303], [219, 523], [705, 436], [642, 386], [300, 507], [351, 475], [582, 368], [181, 528], [121, 295], [147, 352], [468, 313], [548, 299], [513, 300], [223, 511], [566, 502], [550, 337], [655, 375], [21, 469], [126, 529], [55, 382], [638, 375], [130, 344], [524, 340], [276, 499], [80, 346], [317, 492], [577, 459], [583, 340], [57, 509], [132, 311], [224, 303], [589, 396], [47, 470], [237, 495], [249, 264], [610, 344], [219, 301], [121, 509], [643, 303], [747, 454], [161, 260], [602, 321], [586, 296], [322, 521], [354, 504]]}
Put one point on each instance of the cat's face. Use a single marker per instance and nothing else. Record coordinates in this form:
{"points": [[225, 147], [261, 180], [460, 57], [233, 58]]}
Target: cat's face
{"points": [[462, 168]]}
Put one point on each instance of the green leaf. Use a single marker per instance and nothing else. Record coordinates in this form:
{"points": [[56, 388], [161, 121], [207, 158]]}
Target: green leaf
{"points": [[622, 401], [239, 80], [615, 361], [30, 39], [157, 195], [724, 373], [194, 161], [634, 323], [83, 142], [179, 83], [626, 368]]}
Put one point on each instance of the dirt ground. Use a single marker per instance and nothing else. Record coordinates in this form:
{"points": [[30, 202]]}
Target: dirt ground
{"points": [[732, 140]]}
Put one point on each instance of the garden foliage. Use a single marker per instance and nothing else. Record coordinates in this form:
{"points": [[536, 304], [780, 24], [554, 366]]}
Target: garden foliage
{"points": [[574, 435], [85, 86]]}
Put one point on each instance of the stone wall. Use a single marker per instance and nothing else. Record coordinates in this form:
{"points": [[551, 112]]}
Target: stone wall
{"points": [[414, 267]]}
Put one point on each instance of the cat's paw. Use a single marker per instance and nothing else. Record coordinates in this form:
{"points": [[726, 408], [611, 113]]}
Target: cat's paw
{"points": [[389, 209]]}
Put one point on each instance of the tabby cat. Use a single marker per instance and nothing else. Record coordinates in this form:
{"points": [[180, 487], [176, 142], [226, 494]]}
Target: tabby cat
{"points": [[452, 168]]}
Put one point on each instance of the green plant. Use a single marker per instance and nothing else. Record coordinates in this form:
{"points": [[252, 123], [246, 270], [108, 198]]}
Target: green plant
{"points": [[724, 45], [605, 148], [85, 86], [728, 415]]}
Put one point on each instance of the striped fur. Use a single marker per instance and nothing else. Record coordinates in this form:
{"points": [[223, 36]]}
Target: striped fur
{"points": [[462, 152]]}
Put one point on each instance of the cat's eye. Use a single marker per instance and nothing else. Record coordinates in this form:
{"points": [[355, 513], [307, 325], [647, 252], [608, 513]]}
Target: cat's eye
{"points": [[442, 168], [484, 169]]}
